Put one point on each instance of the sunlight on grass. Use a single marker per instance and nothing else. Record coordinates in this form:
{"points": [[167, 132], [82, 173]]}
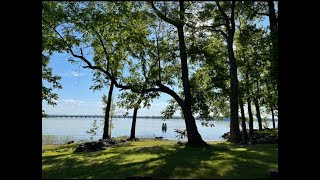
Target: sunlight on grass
{"points": [[260, 153], [137, 158], [238, 149], [160, 159]]}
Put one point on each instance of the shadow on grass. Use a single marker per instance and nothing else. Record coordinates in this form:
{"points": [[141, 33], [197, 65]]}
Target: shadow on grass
{"points": [[166, 161]]}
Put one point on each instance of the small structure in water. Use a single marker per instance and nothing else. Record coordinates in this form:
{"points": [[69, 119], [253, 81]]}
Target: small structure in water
{"points": [[164, 127]]}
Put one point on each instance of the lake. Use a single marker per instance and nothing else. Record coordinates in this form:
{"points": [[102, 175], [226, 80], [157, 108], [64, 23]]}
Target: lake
{"points": [[145, 128]]}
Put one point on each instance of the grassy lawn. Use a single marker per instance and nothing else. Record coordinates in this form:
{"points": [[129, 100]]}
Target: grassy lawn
{"points": [[160, 159]]}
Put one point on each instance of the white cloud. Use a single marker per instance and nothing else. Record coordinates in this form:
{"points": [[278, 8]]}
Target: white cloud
{"points": [[71, 101], [79, 107], [72, 107], [72, 74]]}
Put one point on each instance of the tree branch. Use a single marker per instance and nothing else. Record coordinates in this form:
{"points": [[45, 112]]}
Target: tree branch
{"points": [[163, 17], [264, 14], [222, 12], [226, 18], [165, 89], [158, 51], [143, 62], [216, 30], [104, 48], [232, 16], [217, 25], [162, 88]]}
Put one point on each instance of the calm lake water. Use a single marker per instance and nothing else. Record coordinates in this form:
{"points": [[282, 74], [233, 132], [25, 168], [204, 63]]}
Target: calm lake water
{"points": [[145, 128]]}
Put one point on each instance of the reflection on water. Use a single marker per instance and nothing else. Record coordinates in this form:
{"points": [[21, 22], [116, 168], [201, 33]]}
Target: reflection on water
{"points": [[145, 128]]}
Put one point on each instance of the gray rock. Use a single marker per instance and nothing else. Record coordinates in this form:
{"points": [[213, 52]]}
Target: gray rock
{"points": [[273, 173], [243, 142], [179, 143]]}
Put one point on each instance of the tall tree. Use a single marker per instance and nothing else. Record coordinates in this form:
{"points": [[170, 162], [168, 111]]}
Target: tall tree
{"points": [[194, 137], [97, 24], [252, 50], [224, 15], [268, 9]]}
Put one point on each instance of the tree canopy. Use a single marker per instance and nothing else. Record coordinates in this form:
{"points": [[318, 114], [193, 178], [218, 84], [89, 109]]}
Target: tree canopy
{"points": [[212, 52]]}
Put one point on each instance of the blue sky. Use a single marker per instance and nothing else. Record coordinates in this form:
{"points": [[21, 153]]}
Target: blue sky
{"points": [[77, 99]]}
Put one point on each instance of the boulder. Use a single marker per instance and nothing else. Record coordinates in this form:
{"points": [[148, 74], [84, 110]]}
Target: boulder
{"points": [[179, 143], [70, 142], [123, 140], [261, 140], [273, 173], [96, 145], [243, 142]]}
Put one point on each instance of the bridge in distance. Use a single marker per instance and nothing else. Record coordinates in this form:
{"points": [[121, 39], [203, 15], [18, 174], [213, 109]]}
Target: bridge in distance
{"points": [[102, 116]]}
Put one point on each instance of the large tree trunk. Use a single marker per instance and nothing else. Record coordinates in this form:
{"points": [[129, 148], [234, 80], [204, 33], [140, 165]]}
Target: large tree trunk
{"points": [[133, 126], [194, 138], [273, 123], [274, 39], [250, 118], [243, 122], [256, 104], [235, 135], [107, 114]]}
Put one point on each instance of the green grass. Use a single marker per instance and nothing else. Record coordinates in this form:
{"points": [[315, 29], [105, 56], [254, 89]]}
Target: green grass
{"points": [[270, 132], [160, 159]]}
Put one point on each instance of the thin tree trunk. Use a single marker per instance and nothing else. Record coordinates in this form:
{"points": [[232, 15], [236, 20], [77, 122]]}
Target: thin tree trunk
{"points": [[133, 126], [110, 126], [256, 104], [194, 138], [107, 113], [274, 39], [243, 122], [134, 119], [250, 118], [235, 135], [273, 123]]}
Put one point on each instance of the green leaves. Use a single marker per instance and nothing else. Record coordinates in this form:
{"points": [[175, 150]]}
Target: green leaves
{"points": [[138, 49], [169, 111]]}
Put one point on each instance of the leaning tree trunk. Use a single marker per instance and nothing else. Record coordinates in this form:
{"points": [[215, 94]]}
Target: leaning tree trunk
{"points": [[194, 138], [107, 113], [133, 126], [256, 104], [273, 123], [243, 122], [250, 118]]}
